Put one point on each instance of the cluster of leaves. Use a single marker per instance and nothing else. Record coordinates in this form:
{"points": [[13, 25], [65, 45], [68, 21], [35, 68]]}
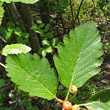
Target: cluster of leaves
{"points": [[60, 6], [77, 61], [56, 6], [48, 40], [8, 32], [104, 5], [83, 8]]}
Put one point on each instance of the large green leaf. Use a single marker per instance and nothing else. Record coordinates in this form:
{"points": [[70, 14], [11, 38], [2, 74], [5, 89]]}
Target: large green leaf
{"points": [[103, 95], [97, 106], [15, 49], [23, 1], [1, 11], [77, 59], [100, 101], [32, 74]]}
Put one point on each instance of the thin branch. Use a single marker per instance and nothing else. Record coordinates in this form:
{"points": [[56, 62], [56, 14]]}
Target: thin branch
{"points": [[67, 95], [3, 39], [88, 103], [72, 97], [72, 14], [77, 16], [59, 100], [4, 66]]}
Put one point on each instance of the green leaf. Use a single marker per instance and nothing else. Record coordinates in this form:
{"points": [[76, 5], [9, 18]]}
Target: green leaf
{"points": [[23, 1], [78, 58], [43, 53], [19, 40], [100, 101], [45, 42], [43, 35], [25, 35], [34, 26], [49, 35], [47, 27], [96, 106], [25, 41], [2, 81], [40, 31], [48, 49], [40, 50], [103, 95], [41, 25], [32, 74], [18, 31], [9, 34], [9, 26], [63, 3], [55, 41], [15, 49], [1, 12]]}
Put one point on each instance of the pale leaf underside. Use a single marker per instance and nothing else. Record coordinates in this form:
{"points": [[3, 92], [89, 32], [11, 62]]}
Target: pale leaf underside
{"points": [[15, 49], [77, 59], [98, 106], [23, 1]]}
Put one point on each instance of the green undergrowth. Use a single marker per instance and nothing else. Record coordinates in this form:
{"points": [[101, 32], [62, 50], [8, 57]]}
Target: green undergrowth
{"points": [[23, 100]]}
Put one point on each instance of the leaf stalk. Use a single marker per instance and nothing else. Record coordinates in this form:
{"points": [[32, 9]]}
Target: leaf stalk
{"points": [[72, 97], [59, 100]]}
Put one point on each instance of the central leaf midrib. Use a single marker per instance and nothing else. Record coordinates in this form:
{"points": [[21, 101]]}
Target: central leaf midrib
{"points": [[38, 82], [78, 56]]}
